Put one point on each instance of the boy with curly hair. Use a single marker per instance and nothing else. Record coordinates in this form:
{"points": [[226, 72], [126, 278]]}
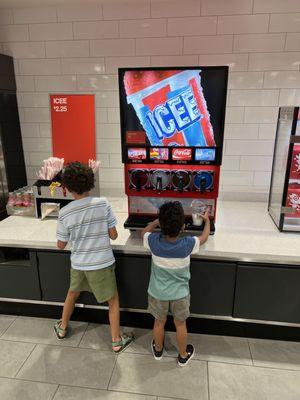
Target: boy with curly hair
{"points": [[88, 223], [170, 274]]}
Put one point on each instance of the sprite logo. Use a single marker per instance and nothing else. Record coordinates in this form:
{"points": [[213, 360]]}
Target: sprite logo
{"points": [[176, 114]]}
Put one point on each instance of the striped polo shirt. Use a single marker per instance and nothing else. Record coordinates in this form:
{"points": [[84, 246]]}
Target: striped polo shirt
{"points": [[85, 223], [170, 267]]}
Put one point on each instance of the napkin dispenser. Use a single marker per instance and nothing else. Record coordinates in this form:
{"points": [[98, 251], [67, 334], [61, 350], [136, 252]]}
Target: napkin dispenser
{"points": [[49, 210]]}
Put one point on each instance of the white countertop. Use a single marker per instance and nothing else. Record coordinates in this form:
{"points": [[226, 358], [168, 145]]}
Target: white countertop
{"points": [[244, 231]]}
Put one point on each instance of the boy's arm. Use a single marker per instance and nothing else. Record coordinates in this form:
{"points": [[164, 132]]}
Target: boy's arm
{"points": [[206, 231], [150, 227], [62, 234], [113, 233], [112, 222]]}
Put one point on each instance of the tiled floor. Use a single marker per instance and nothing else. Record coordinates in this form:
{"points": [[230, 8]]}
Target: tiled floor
{"points": [[34, 365]]}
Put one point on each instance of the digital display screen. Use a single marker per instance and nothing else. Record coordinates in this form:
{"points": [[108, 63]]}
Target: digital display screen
{"points": [[168, 107], [205, 154], [181, 154], [135, 153], [159, 153]]}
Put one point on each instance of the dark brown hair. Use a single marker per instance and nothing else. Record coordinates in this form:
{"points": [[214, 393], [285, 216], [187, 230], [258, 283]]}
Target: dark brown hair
{"points": [[78, 178], [171, 218]]}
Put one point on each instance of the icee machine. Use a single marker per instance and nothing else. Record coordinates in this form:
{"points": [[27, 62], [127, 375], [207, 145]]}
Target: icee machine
{"points": [[172, 127]]}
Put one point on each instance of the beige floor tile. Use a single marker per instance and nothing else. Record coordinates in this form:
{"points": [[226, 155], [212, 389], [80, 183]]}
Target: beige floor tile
{"points": [[69, 366], [15, 389], [142, 374], [40, 330], [71, 393], [275, 353], [12, 356], [5, 322], [239, 382]]}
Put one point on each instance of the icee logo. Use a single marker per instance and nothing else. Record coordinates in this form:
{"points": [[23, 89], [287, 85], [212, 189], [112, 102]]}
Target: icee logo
{"points": [[176, 114]]}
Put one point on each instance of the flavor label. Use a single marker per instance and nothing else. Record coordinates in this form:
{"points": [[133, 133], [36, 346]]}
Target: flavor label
{"points": [[157, 153], [137, 153], [205, 154], [179, 154]]}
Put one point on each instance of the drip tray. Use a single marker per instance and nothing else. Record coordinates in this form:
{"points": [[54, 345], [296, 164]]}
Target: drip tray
{"points": [[138, 222]]}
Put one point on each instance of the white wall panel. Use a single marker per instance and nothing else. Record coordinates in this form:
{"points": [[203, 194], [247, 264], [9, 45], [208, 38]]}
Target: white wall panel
{"points": [[163, 8]]}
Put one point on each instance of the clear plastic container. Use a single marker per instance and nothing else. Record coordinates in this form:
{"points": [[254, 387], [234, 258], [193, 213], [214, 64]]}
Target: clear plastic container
{"points": [[198, 209]]}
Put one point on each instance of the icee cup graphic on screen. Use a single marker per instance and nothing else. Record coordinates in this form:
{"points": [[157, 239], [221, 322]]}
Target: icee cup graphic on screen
{"points": [[170, 106]]}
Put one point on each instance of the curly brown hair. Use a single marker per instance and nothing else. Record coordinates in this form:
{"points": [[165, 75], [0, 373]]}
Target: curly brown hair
{"points": [[171, 218], [78, 178]]}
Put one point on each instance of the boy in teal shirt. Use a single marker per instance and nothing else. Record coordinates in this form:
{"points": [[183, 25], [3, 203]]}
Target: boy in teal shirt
{"points": [[170, 274]]}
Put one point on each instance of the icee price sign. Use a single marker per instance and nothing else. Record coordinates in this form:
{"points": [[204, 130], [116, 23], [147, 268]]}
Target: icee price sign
{"points": [[170, 106]]}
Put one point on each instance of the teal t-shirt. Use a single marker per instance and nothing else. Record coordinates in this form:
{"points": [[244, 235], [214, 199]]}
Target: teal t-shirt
{"points": [[170, 267]]}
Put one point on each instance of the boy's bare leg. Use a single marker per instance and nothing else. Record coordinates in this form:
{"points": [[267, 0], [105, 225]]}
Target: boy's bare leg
{"points": [[114, 318], [159, 333], [68, 308], [181, 336]]}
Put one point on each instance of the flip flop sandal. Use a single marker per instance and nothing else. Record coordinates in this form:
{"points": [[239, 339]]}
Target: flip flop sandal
{"points": [[126, 340], [60, 332]]}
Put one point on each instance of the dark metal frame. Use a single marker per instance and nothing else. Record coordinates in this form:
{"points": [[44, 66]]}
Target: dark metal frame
{"points": [[287, 172]]}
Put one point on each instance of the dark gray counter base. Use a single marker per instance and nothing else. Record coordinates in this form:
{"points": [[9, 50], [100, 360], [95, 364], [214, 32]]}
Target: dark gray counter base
{"points": [[226, 293]]}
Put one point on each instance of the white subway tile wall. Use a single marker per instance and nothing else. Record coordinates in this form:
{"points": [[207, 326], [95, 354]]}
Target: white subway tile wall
{"points": [[143, 28], [96, 30], [77, 48], [34, 15], [79, 12], [6, 17], [60, 31], [292, 42]]}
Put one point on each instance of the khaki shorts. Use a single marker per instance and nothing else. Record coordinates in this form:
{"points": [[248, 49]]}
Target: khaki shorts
{"points": [[180, 309], [101, 282]]}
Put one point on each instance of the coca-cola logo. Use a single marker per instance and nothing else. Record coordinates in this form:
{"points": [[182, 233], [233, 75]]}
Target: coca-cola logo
{"points": [[182, 154]]}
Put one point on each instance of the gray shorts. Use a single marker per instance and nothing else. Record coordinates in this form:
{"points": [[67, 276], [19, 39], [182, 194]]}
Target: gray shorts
{"points": [[180, 309]]}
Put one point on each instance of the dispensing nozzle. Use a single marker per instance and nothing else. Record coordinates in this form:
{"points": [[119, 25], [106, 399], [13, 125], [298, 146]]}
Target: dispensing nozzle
{"points": [[180, 183], [138, 182], [158, 186], [202, 184]]}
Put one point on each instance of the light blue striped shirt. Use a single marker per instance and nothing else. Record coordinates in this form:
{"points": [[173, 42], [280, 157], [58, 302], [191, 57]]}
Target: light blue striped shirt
{"points": [[85, 223]]}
